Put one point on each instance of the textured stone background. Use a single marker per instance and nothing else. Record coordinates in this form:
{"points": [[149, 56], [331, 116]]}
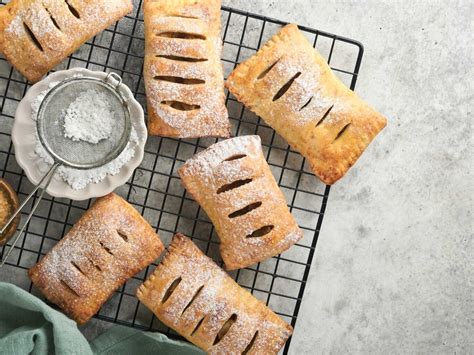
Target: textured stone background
{"points": [[393, 271]]}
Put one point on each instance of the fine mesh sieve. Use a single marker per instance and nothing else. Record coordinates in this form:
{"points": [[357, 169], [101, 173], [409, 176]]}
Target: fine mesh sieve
{"points": [[78, 154], [81, 154]]}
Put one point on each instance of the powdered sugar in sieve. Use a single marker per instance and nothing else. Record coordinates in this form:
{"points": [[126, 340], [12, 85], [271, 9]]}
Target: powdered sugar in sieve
{"points": [[81, 153]]}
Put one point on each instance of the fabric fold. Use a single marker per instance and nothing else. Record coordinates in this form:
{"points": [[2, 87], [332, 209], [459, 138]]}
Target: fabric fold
{"points": [[30, 326]]}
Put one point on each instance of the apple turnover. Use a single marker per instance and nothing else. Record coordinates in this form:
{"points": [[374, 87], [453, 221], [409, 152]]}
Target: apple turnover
{"points": [[191, 294], [183, 74], [232, 182], [292, 88], [36, 35], [108, 245]]}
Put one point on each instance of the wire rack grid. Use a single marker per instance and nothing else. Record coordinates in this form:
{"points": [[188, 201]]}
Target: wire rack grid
{"points": [[155, 189]]}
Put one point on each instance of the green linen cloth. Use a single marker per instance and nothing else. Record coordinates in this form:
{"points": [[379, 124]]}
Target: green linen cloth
{"points": [[129, 341], [30, 326]]}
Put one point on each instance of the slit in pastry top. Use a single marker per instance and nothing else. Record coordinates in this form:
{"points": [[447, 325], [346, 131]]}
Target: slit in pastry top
{"points": [[73, 10], [36, 35], [208, 307], [33, 37], [109, 244], [232, 182], [178, 58], [184, 80], [286, 87], [292, 88], [53, 20], [183, 35]]}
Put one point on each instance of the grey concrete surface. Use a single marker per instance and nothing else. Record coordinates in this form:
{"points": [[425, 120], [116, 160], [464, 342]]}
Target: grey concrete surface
{"points": [[393, 271]]}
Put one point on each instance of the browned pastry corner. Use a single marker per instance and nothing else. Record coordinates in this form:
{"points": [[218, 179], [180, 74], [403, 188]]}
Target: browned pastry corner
{"points": [[8, 205], [232, 182], [183, 74], [292, 88], [191, 294], [36, 35], [108, 245]]}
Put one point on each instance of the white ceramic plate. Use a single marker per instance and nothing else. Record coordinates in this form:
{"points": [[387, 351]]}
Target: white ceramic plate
{"points": [[24, 140]]}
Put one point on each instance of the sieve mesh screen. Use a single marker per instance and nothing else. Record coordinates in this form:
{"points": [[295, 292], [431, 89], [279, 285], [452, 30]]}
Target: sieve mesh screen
{"points": [[79, 153]]}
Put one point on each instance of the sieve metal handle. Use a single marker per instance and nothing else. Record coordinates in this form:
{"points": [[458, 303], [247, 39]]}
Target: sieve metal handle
{"points": [[48, 178], [115, 76], [117, 86]]}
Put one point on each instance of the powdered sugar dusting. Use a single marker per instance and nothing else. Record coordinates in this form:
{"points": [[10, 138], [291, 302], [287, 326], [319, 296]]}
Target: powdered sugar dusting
{"points": [[89, 118], [38, 34], [204, 163], [301, 90], [208, 171], [79, 179], [219, 299], [211, 118], [94, 14], [93, 260], [16, 26], [180, 24], [83, 247]]}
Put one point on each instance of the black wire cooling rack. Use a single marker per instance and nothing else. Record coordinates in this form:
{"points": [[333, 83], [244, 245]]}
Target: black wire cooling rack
{"points": [[155, 189]]}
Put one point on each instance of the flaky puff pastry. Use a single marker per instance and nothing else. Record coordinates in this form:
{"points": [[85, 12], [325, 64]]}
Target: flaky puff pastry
{"points": [[191, 294], [183, 74], [36, 35], [232, 182], [292, 88], [109, 244]]}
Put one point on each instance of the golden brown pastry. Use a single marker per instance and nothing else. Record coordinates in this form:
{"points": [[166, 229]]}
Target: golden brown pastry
{"points": [[234, 185], [292, 88], [108, 245], [191, 294], [8, 205], [35, 35], [183, 73]]}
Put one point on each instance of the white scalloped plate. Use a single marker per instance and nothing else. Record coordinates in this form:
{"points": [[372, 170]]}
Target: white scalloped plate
{"points": [[23, 138]]}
